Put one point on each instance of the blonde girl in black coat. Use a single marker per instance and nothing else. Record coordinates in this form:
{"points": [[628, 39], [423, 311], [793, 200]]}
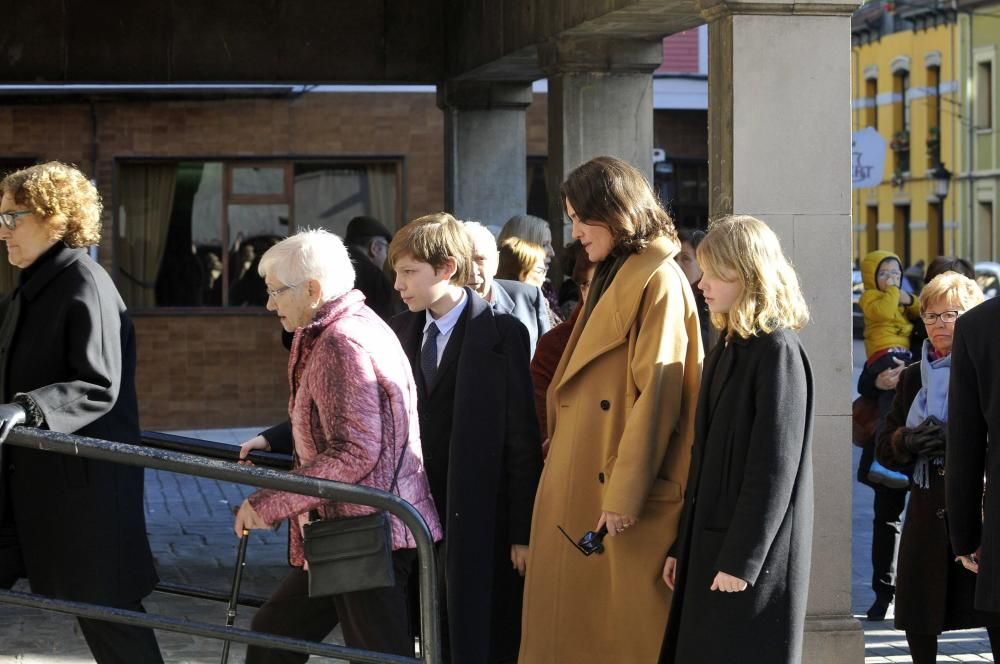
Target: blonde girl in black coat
{"points": [[740, 563]]}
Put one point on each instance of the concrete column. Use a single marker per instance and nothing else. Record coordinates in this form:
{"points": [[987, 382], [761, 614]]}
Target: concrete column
{"points": [[600, 102], [485, 157], [779, 145]]}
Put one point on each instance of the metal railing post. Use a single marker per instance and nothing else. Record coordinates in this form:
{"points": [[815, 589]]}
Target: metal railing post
{"points": [[229, 471]]}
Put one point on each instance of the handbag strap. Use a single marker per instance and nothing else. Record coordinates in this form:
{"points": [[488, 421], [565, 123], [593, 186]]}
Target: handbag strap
{"points": [[395, 475]]}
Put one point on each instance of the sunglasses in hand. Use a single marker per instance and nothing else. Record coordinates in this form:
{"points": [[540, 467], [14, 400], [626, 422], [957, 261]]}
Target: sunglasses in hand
{"points": [[591, 543]]}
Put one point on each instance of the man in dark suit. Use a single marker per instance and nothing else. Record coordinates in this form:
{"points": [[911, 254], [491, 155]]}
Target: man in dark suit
{"points": [[524, 302], [479, 435], [973, 421], [367, 243]]}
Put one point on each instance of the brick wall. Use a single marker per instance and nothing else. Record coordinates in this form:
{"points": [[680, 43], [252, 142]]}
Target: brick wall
{"points": [[680, 53], [199, 371]]}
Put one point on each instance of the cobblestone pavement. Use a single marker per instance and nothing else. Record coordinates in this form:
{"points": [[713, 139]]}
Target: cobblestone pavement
{"points": [[189, 523]]}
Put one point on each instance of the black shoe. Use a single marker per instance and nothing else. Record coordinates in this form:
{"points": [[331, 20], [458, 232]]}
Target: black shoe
{"points": [[881, 609]]}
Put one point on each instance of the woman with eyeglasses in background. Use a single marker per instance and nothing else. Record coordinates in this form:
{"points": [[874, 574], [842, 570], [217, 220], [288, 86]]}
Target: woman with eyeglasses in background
{"points": [[525, 261], [934, 590], [74, 527]]}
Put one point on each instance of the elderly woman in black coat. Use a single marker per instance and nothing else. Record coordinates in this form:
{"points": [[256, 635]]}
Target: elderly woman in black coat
{"points": [[933, 592], [740, 565], [74, 527]]}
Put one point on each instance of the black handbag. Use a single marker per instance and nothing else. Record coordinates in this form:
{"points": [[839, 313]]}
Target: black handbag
{"points": [[350, 554]]}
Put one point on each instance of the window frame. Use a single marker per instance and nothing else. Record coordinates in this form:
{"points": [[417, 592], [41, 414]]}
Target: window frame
{"points": [[242, 161]]}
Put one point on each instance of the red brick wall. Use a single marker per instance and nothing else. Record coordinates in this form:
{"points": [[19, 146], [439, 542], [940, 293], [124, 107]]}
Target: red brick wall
{"points": [[680, 53], [210, 371]]}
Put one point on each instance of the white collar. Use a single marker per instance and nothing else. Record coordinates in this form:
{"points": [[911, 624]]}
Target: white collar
{"points": [[447, 322]]}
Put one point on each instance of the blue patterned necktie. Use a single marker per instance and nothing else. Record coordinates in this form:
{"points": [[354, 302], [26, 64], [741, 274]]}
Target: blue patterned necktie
{"points": [[429, 356]]}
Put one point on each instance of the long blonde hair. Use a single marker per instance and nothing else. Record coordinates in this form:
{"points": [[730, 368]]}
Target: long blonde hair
{"points": [[743, 248]]}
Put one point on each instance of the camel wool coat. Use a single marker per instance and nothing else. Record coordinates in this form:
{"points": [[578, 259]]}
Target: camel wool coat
{"points": [[621, 409]]}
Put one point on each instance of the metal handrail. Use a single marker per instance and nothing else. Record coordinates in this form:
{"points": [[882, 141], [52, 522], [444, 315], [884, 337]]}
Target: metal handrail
{"points": [[214, 450], [136, 455]]}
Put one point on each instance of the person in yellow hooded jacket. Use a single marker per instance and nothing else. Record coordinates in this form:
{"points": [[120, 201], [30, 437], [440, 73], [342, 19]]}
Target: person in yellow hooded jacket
{"points": [[889, 312], [888, 309]]}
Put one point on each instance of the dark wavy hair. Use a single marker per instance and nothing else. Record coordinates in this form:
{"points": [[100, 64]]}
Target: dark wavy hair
{"points": [[613, 192]]}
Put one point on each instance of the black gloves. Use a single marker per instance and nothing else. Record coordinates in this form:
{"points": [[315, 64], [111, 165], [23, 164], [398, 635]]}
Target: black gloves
{"points": [[928, 438], [11, 414]]}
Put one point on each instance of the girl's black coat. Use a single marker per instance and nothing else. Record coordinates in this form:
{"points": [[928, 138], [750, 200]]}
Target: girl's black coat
{"points": [[748, 508], [80, 522]]}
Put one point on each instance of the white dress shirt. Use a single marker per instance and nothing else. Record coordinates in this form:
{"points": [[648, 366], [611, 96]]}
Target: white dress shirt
{"points": [[445, 325]]}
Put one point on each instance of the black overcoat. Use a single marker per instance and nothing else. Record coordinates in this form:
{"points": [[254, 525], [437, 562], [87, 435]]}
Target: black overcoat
{"points": [[933, 593], [80, 522], [974, 414], [748, 508], [494, 462]]}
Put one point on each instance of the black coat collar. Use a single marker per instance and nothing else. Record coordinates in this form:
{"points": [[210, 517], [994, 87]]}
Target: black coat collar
{"points": [[46, 267]]}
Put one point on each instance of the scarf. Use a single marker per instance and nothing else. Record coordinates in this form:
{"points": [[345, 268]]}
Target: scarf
{"points": [[604, 274], [931, 399]]}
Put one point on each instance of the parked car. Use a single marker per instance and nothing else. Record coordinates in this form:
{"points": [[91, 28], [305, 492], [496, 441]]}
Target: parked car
{"points": [[988, 278]]}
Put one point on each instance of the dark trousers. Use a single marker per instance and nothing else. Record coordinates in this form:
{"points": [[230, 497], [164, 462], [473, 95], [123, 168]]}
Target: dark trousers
{"points": [[110, 643], [923, 647], [886, 527], [887, 524], [375, 619]]}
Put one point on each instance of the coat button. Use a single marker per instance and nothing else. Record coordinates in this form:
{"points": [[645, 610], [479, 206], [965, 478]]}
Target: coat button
{"points": [[600, 477], [941, 471], [940, 513], [605, 405]]}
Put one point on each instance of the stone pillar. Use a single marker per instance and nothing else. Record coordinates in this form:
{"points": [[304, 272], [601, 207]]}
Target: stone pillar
{"points": [[600, 103], [779, 145], [485, 156]]}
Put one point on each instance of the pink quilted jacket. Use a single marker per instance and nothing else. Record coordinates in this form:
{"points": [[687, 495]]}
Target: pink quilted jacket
{"points": [[353, 408]]}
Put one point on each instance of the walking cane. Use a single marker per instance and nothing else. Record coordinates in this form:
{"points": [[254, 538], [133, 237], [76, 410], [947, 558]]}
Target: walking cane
{"points": [[234, 596]]}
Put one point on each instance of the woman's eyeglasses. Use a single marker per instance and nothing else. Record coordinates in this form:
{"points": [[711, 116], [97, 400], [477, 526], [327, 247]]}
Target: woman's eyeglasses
{"points": [[945, 316], [9, 219], [278, 291]]}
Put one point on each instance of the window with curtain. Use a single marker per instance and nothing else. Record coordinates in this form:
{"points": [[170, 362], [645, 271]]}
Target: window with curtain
{"points": [[191, 233], [329, 195]]}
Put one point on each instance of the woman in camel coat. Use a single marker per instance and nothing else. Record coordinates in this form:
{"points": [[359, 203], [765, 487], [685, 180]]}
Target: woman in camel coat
{"points": [[621, 422]]}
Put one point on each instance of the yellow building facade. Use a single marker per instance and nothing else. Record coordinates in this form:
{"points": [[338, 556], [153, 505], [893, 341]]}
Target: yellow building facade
{"points": [[905, 86]]}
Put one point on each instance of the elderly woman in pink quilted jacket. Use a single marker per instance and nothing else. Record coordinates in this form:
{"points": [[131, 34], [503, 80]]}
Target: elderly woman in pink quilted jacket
{"points": [[353, 411]]}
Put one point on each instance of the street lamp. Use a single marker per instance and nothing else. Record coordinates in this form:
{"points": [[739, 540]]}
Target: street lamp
{"points": [[942, 180]]}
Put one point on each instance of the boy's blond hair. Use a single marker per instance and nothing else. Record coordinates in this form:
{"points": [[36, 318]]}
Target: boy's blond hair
{"points": [[433, 239]]}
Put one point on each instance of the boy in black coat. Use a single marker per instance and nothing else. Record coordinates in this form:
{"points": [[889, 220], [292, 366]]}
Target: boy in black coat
{"points": [[478, 431]]}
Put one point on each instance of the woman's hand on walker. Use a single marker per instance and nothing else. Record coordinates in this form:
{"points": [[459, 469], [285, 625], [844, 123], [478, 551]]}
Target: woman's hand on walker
{"points": [[255, 443], [728, 583]]}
